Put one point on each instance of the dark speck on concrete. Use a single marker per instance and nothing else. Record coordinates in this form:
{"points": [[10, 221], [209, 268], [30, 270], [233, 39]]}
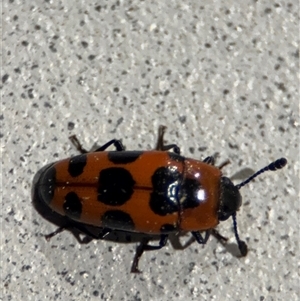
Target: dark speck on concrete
{"points": [[84, 44], [182, 119], [5, 78], [71, 125]]}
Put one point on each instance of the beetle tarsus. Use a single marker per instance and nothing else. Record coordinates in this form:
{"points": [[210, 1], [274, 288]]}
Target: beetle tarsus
{"points": [[223, 164], [199, 238], [57, 231], [160, 146], [74, 140], [218, 236], [138, 254], [209, 160], [243, 248], [145, 247], [117, 144]]}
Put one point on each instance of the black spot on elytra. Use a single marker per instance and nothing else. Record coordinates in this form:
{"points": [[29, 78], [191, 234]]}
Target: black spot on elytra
{"points": [[76, 165], [46, 184], [190, 189], [72, 206], [115, 186], [164, 198], [176, 157], [118, 157], [167, 228], [117, 219]]}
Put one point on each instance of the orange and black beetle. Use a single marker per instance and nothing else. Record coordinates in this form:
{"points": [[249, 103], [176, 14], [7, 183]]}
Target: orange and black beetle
{"points": [[151, 192]]}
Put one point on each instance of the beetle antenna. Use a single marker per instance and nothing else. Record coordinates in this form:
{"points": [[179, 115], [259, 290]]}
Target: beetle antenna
{"points": [[241, 244], [278, 164]]}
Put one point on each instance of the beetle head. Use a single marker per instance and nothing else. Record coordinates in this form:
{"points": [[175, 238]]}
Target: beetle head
{"points": [[231, 199]]}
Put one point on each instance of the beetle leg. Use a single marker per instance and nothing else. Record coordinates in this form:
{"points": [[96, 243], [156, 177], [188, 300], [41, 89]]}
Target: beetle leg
{"points": [[200, 240], [104, 232], [57, 231], [209, 160], [117, 144], [145, 247], [77, 144], [138, 253], [69, 226], [224, 164], [160, 142], [218, 236], [175, 148]]}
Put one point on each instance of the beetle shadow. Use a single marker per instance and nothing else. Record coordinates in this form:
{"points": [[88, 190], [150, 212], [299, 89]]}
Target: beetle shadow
{"points": [[231, 248], [242, 174], [176, 243]]}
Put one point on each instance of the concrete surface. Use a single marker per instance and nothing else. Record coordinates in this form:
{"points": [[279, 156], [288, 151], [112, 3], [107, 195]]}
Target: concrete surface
{"points": [[223, 76]]}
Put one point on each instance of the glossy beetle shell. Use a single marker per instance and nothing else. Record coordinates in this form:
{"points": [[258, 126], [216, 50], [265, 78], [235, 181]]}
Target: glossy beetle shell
{"points": [[148, 192]]}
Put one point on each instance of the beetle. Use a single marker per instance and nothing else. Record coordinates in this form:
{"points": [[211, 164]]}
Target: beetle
{"points": [[155, 192]]}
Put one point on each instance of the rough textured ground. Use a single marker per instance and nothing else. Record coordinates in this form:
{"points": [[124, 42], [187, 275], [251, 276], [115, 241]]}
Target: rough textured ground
{"points": [[223, 76]]}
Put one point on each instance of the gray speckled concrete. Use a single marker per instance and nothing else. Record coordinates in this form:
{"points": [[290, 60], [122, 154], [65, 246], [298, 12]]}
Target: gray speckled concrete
{"points": [[222, 76]]}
